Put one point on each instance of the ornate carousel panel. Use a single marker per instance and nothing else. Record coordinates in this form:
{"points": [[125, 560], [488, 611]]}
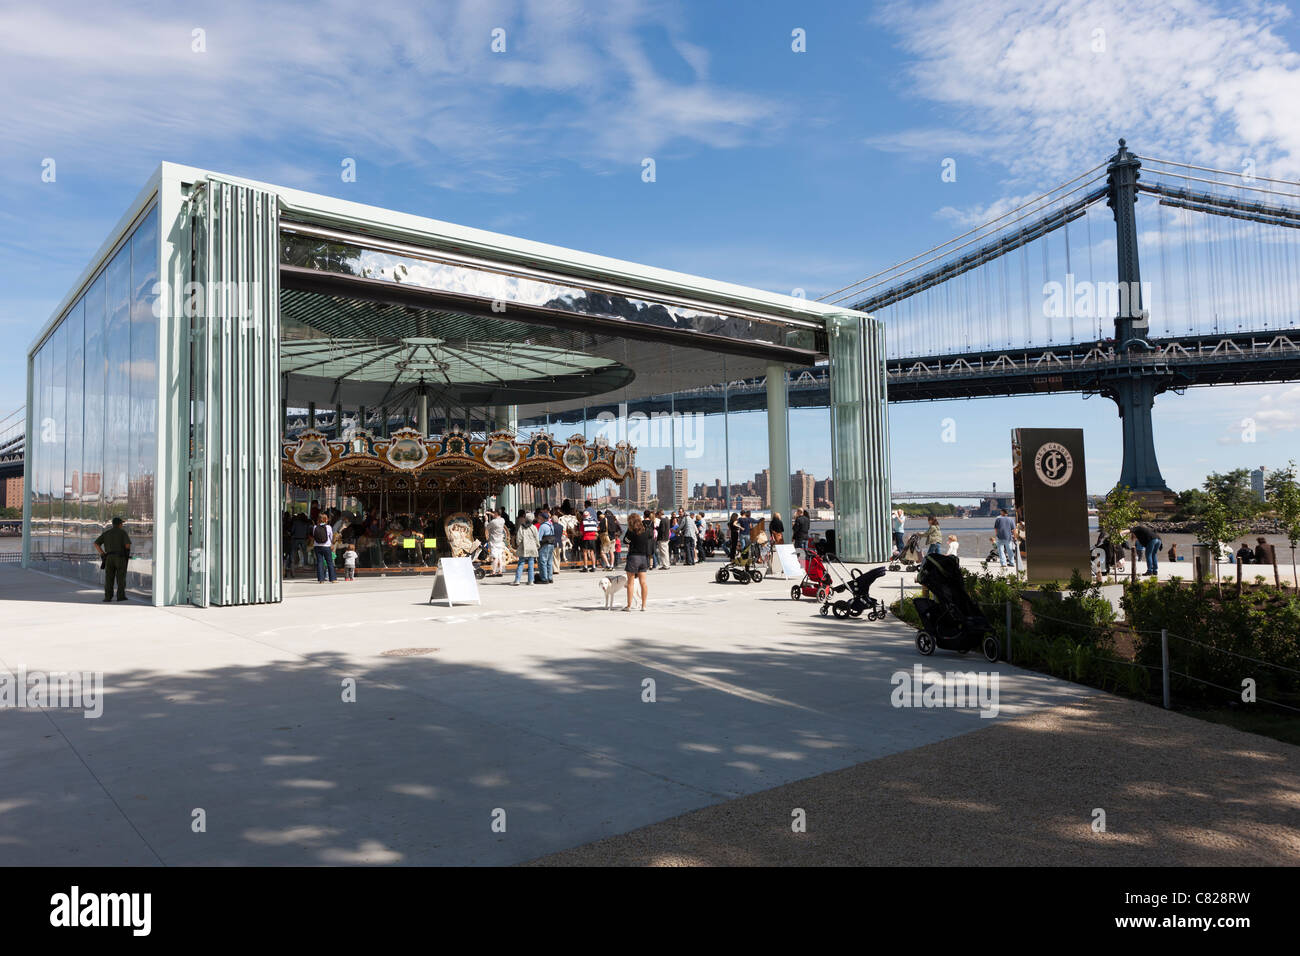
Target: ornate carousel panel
{"points": [[455, 463]]}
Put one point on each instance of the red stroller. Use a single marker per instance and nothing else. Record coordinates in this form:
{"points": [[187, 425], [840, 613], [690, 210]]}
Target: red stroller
{"points": [[817, 582]]}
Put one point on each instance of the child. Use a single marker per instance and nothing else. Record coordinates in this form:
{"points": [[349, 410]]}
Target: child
{"points": [[952, 545], [350, 563]]}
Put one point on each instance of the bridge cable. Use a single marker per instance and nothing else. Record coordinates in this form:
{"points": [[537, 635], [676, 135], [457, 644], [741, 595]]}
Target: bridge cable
{"points": [[1189, 270], [1047, 319], [977, 229], [1211, 169], [1092, 279], [1215, 182], [1164, 274], [1069, 303]]}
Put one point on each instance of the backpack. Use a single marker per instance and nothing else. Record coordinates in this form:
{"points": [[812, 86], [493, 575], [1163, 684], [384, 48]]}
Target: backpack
{"points": [[320, 534]]}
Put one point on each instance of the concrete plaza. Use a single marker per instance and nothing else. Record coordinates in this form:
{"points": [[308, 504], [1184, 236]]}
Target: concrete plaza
{"points": [[530, 703]]}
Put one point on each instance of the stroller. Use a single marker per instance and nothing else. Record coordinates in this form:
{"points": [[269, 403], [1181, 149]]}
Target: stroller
{"points": [[913, 553], [817, 581], [949, 618], [744, 566], [859, 586]]}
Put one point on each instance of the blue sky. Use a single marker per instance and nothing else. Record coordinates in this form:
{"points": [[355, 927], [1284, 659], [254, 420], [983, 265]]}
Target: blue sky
{"points": [[779, 169]]}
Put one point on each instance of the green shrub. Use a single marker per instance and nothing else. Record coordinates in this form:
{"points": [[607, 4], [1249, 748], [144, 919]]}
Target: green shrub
{"points": [[1261, 623]]}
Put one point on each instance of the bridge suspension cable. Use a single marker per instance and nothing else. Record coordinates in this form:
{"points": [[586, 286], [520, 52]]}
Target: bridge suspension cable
{"points": [[1210, 169], [1041, 225], [984, 227]]}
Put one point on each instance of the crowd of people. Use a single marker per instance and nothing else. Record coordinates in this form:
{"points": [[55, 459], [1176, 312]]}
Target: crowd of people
{"points": [[335, 543]]}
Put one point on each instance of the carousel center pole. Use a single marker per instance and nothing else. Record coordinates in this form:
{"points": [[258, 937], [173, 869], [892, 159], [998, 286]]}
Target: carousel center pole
{"points": [[507, 417]]}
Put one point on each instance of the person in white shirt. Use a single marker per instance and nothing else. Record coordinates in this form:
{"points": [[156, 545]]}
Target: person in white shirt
{"points": [[496, 535], [953, 545]]}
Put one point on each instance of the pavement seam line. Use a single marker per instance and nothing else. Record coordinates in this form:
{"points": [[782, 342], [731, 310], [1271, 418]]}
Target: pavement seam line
{"points": [[71, 746]]}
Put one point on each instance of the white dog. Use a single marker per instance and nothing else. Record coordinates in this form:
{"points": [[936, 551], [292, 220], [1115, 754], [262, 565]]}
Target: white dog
{"points": [[611, 585]]}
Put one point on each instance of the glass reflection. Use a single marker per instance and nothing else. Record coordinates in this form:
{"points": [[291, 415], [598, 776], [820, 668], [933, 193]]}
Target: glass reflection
{"points": [[94, 445], [349, 259]]}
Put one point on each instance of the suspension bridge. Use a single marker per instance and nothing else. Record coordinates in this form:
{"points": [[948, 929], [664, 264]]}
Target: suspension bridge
{"points": [[1051, 297]]}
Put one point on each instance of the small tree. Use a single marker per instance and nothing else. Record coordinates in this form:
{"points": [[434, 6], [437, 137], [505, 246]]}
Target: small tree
{"points": [[1119, 511], [1234, 490], [1284, 496], [1218, 524]]}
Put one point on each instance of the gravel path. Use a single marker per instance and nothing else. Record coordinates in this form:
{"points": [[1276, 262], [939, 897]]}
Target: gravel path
{"points": [[1176, 791]]}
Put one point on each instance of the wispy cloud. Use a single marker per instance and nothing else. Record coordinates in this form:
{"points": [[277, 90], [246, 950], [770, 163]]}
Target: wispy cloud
{"points": [[1188, 80], [391, 84]]}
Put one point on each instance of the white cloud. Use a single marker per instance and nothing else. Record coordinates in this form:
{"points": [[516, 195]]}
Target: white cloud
{"points": [[387, 84], [1184, 80]]}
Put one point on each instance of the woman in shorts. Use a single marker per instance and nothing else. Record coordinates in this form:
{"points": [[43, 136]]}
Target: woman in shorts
{"points": [[640, 545]]}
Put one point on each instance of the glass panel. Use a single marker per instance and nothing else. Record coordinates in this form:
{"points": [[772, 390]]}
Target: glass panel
{"points": [[847, 398], [144, 400], [75, 544], [92, 442], [36, 530], [95, 417], [569, 296], [117, 393], [58, 433]]}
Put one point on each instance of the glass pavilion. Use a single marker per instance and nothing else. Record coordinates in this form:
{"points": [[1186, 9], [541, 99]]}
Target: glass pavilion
{"points": [[160, 389]]}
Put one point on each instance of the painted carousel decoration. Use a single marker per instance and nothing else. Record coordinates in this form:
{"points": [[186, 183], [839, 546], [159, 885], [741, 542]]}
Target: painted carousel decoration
{"points": [[456, 462]]}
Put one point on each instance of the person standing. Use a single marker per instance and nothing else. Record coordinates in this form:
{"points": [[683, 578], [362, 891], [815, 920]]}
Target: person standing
{"points": [[1004, 540], [114, 546], [374, 529], [664, 537], [526, 547], [898, 520], [496, 536], [933, 537], [350, 564], [686, 528], [546, 538], [639, 541], [801, 525], [615, 532], [1149, 541], [589, 530], [322, 537]]}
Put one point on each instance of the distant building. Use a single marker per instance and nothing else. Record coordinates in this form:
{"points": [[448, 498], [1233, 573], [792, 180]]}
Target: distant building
{"points": [[1257, 482], [824, 493], [13, 492], [802, 488], [639, 490], [671, 485]]}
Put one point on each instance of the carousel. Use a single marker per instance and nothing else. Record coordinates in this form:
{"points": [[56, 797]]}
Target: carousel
{"points": [[442, 482]]}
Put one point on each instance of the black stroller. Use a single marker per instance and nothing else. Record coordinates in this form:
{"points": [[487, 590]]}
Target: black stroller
{"points": [[858, 585], [910, 558], [949, 618]]}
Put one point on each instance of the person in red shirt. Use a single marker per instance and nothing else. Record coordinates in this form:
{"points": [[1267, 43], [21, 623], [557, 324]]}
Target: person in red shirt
{"points": [[590, 527]]}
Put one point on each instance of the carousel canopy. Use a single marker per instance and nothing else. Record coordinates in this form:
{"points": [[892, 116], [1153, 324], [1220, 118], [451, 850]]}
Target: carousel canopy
{"points": [[454, 462]]}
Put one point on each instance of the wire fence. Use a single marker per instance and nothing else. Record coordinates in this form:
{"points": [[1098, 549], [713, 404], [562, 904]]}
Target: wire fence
{"points": [[1000, 615]]}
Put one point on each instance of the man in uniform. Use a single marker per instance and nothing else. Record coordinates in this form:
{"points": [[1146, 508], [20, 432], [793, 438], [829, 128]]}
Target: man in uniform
{"points": [[114, 546]]}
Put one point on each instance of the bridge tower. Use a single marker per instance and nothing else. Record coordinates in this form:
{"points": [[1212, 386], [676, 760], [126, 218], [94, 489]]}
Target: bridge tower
{"points": [[1133, 385]]}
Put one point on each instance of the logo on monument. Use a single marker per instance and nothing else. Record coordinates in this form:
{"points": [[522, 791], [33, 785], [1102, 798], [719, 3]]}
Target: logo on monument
{"points": [[1053, 464]]}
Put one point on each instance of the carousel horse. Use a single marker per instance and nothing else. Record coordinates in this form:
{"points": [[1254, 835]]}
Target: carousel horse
{"points": [[460, 536], [568, 525]]}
